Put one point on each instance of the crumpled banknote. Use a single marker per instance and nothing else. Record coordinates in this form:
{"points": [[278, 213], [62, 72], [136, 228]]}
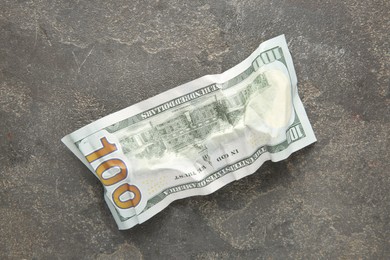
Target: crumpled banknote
{"points": [[197, 137]]}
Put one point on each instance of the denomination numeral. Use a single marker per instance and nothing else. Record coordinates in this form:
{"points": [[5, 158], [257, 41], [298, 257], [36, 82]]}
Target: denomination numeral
{"points": [[106, 149], [112, 164], [122, 190], [294, 133]]}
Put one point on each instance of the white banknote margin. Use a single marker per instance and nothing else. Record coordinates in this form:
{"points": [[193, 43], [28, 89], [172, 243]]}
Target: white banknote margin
{"points": [[280, 41]]}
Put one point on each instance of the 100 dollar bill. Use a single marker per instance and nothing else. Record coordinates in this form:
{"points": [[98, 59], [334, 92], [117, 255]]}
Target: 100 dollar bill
{"points": [[198, 137]]}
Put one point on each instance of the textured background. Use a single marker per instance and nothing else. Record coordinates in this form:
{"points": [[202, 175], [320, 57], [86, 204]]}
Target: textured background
{"points": [[64, 64]]}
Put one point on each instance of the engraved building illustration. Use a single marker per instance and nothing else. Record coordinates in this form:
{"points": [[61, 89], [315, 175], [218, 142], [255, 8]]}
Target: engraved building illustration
{"points": [[191, 127]]}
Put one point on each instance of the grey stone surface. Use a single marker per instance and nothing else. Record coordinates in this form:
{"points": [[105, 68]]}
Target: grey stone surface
{"points": [[64, 64]]}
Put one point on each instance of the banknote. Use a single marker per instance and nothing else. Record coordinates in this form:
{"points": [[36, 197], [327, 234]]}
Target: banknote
{"points": [[197, 137]]}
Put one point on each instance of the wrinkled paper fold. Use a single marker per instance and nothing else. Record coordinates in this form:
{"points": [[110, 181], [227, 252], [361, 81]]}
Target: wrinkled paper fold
{"points": [[197, 137]]}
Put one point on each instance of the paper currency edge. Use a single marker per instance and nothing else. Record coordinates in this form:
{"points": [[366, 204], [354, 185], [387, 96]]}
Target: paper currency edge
{"points": [[280, 41]]}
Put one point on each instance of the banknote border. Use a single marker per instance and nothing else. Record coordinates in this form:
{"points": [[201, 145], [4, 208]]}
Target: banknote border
{"points": [[280, 41]]}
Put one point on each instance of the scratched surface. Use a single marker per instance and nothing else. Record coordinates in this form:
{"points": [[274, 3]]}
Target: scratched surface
{"points": [[64, 64]]}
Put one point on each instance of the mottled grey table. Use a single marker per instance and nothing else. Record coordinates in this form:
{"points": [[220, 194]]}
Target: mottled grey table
{"points": [[64, 64]]}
